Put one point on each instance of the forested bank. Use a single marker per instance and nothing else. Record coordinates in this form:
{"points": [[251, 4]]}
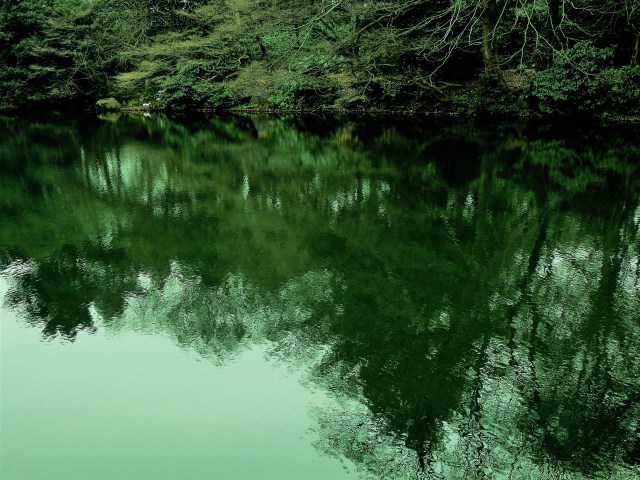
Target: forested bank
{"points": [[459, 56]]}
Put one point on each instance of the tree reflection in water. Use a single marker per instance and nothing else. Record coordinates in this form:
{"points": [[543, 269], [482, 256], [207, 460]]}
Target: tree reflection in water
{"points": [[470, 295]]}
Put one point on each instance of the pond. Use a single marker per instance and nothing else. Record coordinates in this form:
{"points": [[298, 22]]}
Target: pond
{"points": [[298, 297]]}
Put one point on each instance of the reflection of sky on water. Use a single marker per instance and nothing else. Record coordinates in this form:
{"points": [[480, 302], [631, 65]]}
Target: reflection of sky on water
{"points": [[132, 405]]}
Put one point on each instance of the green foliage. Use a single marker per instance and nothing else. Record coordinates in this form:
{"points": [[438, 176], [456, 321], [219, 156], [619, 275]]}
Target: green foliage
{"points": [[20, 25], [285, 97], [11, 86], [493, 98], [19, 20], [624, 88], [300, 93], [184, 91], [308, 54], [575, 83], [220, 97], [51, 52]]}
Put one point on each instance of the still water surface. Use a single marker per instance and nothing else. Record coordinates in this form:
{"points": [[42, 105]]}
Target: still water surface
{"points": [[303, 298]]}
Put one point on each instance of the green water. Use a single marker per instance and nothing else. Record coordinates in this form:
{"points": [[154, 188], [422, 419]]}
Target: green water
{"points": [[311, 298]]}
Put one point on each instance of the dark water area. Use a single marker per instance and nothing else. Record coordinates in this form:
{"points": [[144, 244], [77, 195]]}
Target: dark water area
{"points": [[251, 297]]}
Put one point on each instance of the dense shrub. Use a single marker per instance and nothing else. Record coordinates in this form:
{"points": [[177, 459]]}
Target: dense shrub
{"points": [[184, 91], [575, 83], [624, 89]]}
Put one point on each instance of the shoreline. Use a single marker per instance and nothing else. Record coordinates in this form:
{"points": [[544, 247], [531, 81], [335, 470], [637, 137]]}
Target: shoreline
{"points": [[371, 114], [605, 117]]}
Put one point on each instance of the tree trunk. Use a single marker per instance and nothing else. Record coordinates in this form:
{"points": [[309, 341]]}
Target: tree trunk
{"points": [[636, 51], [555, 18], [489, 47]]}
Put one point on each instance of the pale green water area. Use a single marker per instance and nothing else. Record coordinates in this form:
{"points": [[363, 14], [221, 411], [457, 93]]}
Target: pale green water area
{"points": [[250, 297]]}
